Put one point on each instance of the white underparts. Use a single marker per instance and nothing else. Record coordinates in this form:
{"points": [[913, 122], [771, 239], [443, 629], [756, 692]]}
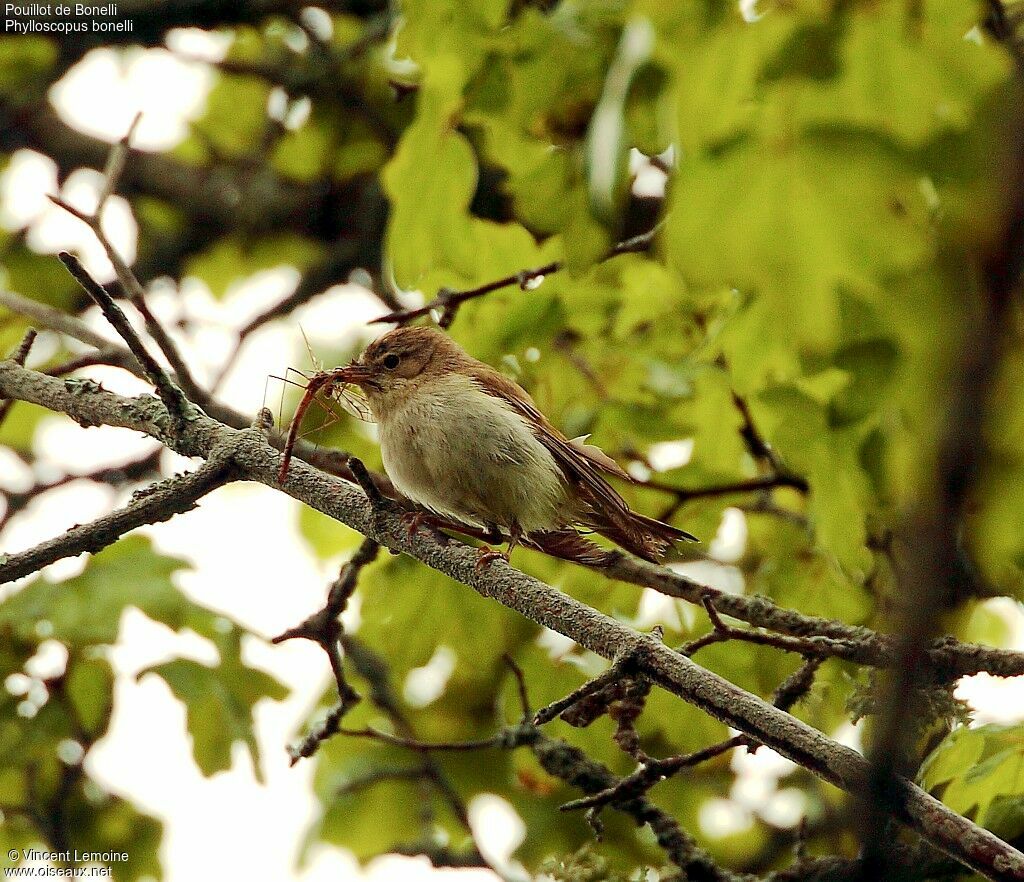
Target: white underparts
{"points": [[463, 453]]}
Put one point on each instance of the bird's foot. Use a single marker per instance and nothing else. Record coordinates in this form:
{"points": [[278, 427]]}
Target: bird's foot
{"points": [[414, 521], [486, 555]]}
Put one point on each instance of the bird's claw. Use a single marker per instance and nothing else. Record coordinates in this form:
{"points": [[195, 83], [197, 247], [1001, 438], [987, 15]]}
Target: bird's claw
{"points": [[412, 521], [486, 555]]}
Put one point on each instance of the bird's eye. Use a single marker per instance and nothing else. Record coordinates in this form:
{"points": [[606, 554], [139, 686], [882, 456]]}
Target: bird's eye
{"points": [[391, 361]]}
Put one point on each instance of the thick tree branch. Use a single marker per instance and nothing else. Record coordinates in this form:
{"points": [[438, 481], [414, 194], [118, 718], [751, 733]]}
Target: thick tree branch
{"points": [[159, 502], [257, 461], [944, 659]]}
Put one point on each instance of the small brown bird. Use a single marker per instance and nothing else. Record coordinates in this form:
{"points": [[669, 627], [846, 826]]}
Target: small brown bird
{"points": [[468, 444]]}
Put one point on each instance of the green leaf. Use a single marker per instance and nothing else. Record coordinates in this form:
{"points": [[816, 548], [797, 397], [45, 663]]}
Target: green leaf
{"points": [[303, 153], [353, 820], [24, 61], [1005, 817], [38, 276], [99, 822], [791, 223], [236, 114], [430, 228], [868, 367], [798, 428], [996, 542], [903, 78], [220, 704], [977, 767], [19, 429], [86, 609], [90, 689], [324, 535], [401, 596], [355, 790], [792, 575], [718, 80]]}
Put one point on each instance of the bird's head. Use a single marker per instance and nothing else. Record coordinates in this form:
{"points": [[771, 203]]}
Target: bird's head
{"points": [[400, 362]]}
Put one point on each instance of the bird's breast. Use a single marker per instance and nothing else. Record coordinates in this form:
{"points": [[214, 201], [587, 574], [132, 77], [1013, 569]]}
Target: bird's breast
{"points": [[457, 450]]}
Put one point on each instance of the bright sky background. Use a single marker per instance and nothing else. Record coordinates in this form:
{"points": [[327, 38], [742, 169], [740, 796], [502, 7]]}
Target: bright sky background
{"points": [[230, 826]]}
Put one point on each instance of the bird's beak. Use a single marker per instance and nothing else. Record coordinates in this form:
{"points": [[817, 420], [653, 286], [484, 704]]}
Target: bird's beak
{"points": [[356, 373]]}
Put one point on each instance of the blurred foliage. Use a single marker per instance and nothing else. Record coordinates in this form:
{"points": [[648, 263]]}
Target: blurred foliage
{"points": [[835, 174], [980, 773], [49, 723]]}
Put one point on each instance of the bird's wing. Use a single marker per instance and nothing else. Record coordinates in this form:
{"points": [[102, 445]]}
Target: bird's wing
{"points": [[581, 463], [600, 459]]}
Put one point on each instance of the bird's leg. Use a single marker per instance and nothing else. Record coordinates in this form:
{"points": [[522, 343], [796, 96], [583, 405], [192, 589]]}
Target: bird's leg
{"points": [[486, 555], [515, 535], [493, 534]]}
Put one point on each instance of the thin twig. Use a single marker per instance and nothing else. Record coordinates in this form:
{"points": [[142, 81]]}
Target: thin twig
{"points": [[812, 645], [127, 279], [618, 669], [650, 774], [55, 320], [374, 669], [449, 300], [334, 462], [791, 690], [324, 629], [944, 660], [750, 485], [173, 398], [111, 355], [114, 476], [521, 689], [425, 746], [115, 165], [561, 760], [19, 357]]}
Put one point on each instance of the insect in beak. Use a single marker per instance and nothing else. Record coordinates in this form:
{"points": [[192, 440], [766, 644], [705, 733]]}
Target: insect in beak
{"points": [[356, 373], [329, 383]]}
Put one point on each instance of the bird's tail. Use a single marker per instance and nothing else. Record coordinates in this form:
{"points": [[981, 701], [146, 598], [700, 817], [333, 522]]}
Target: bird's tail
{"points": [[643, 536]]}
